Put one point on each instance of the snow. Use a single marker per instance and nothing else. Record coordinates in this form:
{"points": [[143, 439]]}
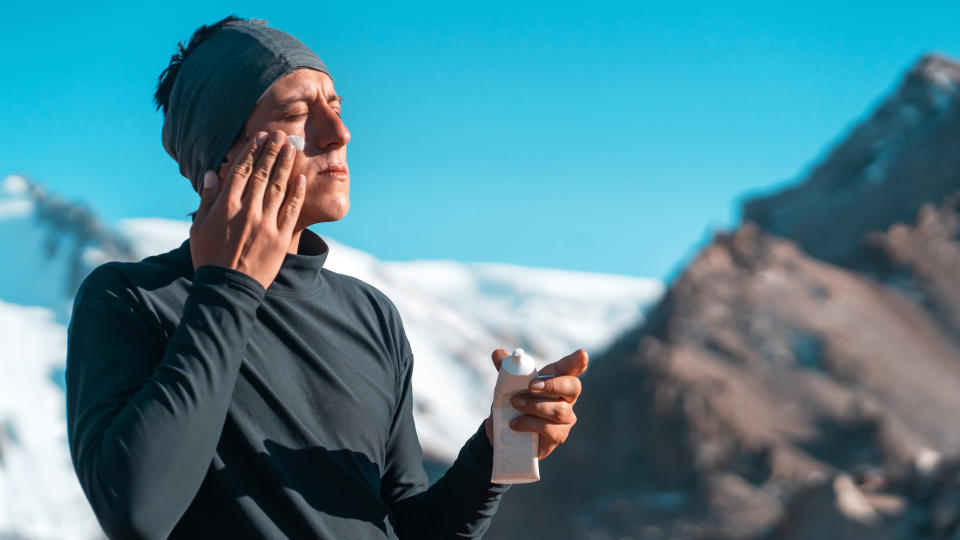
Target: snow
{"points": [[14, 185], [455, 315], [40, 274], [15, 208], [39, 494]]}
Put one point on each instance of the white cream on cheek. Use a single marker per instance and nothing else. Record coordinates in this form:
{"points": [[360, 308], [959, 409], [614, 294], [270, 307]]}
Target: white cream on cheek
{"points": [[297, 142]]}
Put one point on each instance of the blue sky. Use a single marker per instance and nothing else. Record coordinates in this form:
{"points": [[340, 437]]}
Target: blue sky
{"points": [[599, 136]]}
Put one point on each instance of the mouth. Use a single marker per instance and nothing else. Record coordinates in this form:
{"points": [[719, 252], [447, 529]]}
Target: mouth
{"points": [[334, 170]]}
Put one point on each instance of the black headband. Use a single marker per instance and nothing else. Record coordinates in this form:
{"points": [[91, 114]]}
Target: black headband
{"points": [[217, 87]]}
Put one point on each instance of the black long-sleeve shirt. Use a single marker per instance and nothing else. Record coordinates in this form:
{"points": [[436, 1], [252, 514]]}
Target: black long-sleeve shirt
{"points": [[201, 405]]}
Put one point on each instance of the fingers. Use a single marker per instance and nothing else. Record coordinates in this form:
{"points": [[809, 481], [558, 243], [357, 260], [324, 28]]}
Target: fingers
{"points": [[497, 357], [548, 406], [277, 187], [554, 410], [551, 435], [290, 210], [257, 184], [237, 177], [566, 388], [573, 364], [208, 195]]}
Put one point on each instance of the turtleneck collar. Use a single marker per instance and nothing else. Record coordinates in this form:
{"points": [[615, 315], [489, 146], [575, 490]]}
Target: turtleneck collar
{"points": [[300, 273]]}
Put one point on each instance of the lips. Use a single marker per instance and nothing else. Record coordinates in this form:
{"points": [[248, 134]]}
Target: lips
{"points": [[333, 170]]}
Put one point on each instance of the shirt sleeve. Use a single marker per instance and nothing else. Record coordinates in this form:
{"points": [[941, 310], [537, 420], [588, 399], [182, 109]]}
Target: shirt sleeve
{"points": [[460, 504], [144, 417]]}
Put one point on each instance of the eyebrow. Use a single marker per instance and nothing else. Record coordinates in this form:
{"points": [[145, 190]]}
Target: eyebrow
{"points": [[333, 98]]}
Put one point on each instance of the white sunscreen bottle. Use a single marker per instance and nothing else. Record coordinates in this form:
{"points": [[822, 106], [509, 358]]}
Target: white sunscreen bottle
{"points": [[514, 452]]}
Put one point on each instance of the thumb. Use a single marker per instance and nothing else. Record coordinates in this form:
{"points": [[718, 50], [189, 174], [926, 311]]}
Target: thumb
{"points": [[497, 357], [208, 195]]}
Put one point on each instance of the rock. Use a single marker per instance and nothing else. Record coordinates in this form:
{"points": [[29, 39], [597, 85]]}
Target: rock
{"points": [[817, 343], [832, 509], [946, 513], [903, 154], [851, 502], [887, 504], [925, 461]]}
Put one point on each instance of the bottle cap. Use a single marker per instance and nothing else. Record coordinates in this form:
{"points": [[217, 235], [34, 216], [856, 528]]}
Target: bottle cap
{"points": [[518, 363]]}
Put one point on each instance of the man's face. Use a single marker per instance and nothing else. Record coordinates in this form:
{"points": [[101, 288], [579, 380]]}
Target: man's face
{"points": [[305, 103]]}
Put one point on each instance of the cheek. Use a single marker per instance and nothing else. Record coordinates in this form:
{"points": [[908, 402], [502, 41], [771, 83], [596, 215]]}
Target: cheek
{"points": [[299, 164]]}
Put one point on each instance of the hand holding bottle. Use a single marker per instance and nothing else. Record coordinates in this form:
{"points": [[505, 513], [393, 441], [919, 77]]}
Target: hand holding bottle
{"points": [[548, 403]]}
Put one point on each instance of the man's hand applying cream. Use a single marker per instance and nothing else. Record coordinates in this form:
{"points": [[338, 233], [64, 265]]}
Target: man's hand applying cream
{"points": [[247, 225], [549, 403]]}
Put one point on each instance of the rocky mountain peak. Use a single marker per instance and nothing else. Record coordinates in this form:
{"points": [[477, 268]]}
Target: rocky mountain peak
{"points": [[904, 154], [799, 378]]}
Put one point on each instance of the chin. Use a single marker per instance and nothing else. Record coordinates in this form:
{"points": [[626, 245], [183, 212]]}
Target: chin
{"points": [[330, 209]]}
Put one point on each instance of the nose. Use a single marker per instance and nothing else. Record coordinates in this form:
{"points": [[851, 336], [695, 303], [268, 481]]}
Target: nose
{"points": [[330, 132]]}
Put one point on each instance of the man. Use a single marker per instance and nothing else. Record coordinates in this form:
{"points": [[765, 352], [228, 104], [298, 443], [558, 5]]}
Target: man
{"points": [[233, 387]]}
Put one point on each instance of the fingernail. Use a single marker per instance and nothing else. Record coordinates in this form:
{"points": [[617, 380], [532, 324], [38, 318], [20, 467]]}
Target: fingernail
{"points": [[278, 137], [261, 138], [288, 151], [210, 180], [537, 386], [520, 401]]}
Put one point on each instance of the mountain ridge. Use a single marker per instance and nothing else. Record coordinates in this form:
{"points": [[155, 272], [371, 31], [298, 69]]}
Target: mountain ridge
{"points": [[797, 379]]}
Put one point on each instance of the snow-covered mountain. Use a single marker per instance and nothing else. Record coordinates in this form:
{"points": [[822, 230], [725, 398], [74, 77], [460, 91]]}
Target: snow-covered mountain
{"points": [[454, 313], [39, 494]]}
